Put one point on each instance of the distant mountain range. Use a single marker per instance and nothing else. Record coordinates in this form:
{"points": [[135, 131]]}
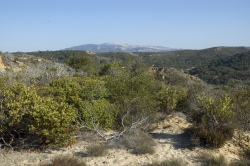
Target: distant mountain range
{"points": [[118, 47]]}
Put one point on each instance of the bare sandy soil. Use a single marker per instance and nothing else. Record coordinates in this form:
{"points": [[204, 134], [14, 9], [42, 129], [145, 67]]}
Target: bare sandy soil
{"points": [[173, 138]]}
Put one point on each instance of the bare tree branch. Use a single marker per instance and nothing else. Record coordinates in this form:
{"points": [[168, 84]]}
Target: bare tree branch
{"points": [[135, 124]]}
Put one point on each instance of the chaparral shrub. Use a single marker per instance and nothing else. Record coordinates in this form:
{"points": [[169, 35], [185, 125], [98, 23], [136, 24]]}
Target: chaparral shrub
{"points": [[212, 122], [241, 100], [168, 98], [87, 98], [134, 93], [23, 111]]}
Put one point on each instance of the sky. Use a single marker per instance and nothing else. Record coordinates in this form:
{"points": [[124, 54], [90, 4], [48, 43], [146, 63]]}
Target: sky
{"points": [[40, 25]]}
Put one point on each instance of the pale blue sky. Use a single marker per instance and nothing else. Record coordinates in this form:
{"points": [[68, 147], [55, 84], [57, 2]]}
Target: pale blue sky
{"points": [[32, 25]]}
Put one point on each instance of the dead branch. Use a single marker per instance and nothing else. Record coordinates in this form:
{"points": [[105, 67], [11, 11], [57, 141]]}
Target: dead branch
{"points": [[135, 124]]}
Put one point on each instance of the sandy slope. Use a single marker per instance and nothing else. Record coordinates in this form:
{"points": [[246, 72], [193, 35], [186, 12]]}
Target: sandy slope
{"points": [[172, 137]]}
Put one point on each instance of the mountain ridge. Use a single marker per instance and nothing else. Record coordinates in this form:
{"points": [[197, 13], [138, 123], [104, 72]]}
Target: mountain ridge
{"points": [[120, 47]]}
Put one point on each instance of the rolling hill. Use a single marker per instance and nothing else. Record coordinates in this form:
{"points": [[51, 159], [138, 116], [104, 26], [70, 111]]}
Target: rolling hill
{"points": [[220, 71]]}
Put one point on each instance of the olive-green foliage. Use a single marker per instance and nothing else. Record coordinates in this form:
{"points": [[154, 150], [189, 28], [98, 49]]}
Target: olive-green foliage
{"points": [[215, 137], [86, 96], [82, 62], [223, 110], [241, 100], [168, 98], [2, 81], [212, 121], [109, 69], [99, 111], [24, 111], [133, 91]]}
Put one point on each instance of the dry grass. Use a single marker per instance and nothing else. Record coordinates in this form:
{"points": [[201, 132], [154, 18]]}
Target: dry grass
{"points": [[96, 150], [141, 142], [66, 160], [87, 136], [213, 160], [171, 162], [241, 162]]}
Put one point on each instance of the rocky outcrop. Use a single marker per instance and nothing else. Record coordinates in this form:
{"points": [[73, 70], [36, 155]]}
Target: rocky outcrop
{"points": [[14, 65], [2, 66]]}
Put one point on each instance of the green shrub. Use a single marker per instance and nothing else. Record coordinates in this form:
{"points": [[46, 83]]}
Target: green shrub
{"points": [[241, 100], [24, 111], [216, 138], [110, 69], [82, 62], [96, 150], [223, 110], [212, 122], [65, 160], [86, 96], [134, 93], [99, 111], [168, 98]]}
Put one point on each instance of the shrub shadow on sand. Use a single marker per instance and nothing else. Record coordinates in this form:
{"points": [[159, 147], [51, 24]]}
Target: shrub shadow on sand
{"points": [[179, 141]]}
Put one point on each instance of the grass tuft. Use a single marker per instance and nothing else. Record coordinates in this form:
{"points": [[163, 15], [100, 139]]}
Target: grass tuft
{"points": [[141, 142], [65, 160], [213, 160], [178, 161], [96, 150]]}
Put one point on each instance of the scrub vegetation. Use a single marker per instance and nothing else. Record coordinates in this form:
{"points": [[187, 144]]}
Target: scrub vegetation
{"points": [[44, 103]]}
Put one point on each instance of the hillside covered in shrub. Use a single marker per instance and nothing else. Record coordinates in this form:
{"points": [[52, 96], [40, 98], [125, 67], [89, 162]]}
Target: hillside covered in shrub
{"points": [[49, 101], [215, 65], [220, 71]]}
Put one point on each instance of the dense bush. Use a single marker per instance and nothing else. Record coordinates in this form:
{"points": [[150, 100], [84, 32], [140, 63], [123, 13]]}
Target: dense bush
{"points": [[241, 100], [23, 111], [168, 98], [110, 69], [82, 62], [86, 96], [134, 93], [212, 121]]}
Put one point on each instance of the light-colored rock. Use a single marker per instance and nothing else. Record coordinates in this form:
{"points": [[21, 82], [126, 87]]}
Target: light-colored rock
{"points": [[2, 66]]}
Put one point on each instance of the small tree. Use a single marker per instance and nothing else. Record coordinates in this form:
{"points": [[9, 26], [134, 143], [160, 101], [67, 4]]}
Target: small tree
{"points": [[82, 62]]}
